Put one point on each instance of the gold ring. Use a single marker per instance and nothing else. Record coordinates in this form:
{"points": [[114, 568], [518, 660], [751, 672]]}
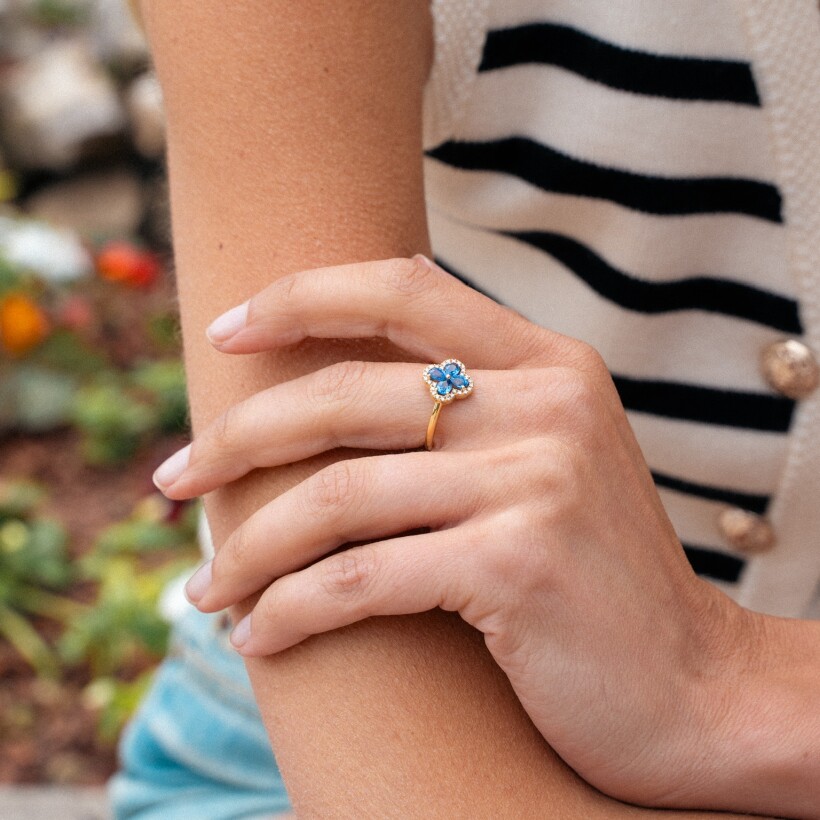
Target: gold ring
{"points": [[447, 381]]}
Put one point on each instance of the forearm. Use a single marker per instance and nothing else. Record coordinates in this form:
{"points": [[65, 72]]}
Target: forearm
{"points": [[395, 716]]}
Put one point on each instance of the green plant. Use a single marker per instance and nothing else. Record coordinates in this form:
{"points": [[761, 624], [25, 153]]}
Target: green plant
{"points": [[121, 632], [34, 567], [112, 424], [115, 701]]}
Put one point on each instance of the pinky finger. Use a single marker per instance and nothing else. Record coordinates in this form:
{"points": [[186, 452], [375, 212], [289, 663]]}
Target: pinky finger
{"points": [[398, 576]]}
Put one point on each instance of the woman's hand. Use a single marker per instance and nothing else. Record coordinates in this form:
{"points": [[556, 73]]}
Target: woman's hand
{"points": [[535, 517]]}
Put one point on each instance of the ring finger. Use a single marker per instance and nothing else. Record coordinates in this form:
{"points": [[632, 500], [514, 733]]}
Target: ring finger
{"points": [[370, 405]]}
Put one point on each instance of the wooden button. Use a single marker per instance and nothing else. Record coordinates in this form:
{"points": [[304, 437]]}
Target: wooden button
{"points": [[745, 531], [791, 368]]}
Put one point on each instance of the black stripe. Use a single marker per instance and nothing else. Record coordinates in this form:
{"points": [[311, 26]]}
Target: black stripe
{"points": [[693, 293], [714, 564], [710, 405], [551, 170], [683, 78], [748, 501], [731, 408]]}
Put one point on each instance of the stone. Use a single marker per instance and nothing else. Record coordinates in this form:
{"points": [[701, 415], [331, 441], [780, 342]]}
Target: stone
{"points": [[97, 204], [115, 36], [54, 254], [57, 107], [144, 104]]}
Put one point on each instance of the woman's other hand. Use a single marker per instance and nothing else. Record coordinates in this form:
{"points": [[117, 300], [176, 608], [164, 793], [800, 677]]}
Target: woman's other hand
{"points": [[535, 517]]}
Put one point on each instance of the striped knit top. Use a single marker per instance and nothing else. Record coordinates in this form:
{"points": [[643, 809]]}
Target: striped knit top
{"points": [[645, 176]]}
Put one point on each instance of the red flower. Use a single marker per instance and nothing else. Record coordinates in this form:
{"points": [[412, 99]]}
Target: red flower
{"points": [[124, 262]]}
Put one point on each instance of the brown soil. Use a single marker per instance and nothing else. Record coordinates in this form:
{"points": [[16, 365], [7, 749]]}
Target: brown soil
{"points": [[47, 733]]}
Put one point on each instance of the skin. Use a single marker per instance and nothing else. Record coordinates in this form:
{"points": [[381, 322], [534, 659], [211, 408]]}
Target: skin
{"points": [[280, 161], [536, 519]]}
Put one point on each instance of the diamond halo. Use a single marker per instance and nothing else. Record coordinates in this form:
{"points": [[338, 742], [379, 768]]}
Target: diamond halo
{"points": [[454, 392]]}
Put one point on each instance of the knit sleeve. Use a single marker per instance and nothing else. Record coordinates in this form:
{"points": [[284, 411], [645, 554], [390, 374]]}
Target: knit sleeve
{"points": [[459, 29]]}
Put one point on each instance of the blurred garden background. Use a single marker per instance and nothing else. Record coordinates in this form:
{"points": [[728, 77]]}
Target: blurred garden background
{"points": [[92, 396]]}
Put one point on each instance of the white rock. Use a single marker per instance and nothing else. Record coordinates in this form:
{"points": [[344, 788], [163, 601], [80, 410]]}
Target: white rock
{"points": [[115, 35], [54, 103], [55, 254], [144, 103]]}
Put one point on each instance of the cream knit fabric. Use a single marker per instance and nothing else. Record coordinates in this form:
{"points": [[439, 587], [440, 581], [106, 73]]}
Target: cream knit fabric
{"points": [[551, 112]]}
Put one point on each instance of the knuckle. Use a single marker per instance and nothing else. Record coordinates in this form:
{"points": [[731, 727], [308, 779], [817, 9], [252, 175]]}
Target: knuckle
{"points": [[350, 573], [235, 549], [508, 457], [587, 359], [529, 340], [575, 390], [223, 430], [333, 487], [557, 468], [408, 277], [269, 606], [339, 382], [562, 483], [508, 552], [286, 289]]}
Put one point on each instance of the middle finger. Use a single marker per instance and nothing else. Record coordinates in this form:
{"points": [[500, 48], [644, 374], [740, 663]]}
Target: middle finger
{"points": [[350, 501]]}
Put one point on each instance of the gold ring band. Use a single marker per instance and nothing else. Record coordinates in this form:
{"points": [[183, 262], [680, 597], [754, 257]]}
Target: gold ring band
{"points": [[447, 381], [431, 426]]}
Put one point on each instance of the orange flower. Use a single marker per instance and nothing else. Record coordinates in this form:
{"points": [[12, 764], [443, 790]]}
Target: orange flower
{"points": [[123, 262], [23, 325]]}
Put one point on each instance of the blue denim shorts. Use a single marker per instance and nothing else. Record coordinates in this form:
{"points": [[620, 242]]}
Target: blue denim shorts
{"points": [[197, 747]]}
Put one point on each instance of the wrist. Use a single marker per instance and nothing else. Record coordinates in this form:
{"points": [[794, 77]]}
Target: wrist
{"points": [[755, 744]]}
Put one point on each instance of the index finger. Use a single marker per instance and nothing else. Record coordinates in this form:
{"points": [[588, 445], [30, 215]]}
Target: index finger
{"points": [[414, 303]]}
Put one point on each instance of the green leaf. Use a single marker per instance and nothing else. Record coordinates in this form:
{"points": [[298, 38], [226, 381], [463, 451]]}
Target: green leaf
{"points": [[124, 622], [69, 353], [116, 702], [25, 639], [35, 552], [10, 278], [46, 604], [164, 331], [19, 497], [165, 381], [140, 536], [112, 422]]}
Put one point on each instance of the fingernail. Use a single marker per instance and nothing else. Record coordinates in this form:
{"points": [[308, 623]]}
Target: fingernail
{"points": [[172, 468], [241, 632], [226, 325], [198, 583]]}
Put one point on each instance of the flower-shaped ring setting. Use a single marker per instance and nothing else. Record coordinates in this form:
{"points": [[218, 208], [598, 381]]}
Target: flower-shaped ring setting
{"points": [[447, 381]]}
